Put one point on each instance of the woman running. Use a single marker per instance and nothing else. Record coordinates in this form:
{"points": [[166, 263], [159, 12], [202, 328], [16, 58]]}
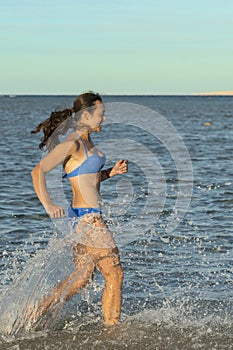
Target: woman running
{"points": [[94, 246]]}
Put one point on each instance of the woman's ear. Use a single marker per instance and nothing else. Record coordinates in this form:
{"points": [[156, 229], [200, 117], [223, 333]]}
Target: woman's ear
{"points": [[86, 115]]}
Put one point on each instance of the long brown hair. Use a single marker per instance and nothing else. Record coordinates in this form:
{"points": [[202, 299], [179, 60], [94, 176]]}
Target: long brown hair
{"points": [[59, 122]]}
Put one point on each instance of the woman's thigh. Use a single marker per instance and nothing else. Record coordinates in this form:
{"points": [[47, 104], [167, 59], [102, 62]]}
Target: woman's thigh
{"points": [[92, 231], [83, 253]]}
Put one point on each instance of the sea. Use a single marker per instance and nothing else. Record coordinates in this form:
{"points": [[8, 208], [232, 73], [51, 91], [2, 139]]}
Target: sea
{"points": [[171, 216]]}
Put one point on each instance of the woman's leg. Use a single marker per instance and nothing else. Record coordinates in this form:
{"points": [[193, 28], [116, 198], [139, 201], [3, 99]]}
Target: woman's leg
{"points": [[106, 257], [112, 271], [78, 279]]}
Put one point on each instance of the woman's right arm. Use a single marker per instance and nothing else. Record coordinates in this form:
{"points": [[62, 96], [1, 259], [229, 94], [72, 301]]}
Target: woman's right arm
{"points": [[55, 157]]}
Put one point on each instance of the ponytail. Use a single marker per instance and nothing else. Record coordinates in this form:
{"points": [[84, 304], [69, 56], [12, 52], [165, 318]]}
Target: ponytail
{"points": [[57, 124]]}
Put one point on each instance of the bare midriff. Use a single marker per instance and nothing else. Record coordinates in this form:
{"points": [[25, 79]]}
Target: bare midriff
{"points": [[85, 190]]}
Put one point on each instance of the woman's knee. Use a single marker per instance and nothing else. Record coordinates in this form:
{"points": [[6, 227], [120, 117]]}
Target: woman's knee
{"points": [[119, 275], [114, 274], [115, 280], [119, 270]]}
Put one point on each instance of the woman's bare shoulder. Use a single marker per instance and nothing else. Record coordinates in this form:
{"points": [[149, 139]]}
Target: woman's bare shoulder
{"points": [[65, 148], [72, 143], [71, 137]]}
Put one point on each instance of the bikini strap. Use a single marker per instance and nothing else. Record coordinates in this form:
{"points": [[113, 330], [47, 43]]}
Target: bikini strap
{"points": [[84, 147]]}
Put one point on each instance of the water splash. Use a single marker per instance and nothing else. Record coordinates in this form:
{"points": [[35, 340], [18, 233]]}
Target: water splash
{"points": [[42, 273]]}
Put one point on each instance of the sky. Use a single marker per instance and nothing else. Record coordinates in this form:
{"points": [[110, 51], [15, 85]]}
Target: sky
{"points": [[116, 47]]}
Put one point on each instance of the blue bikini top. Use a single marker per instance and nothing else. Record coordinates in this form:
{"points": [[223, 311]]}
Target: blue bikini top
{"points": [[91, 165]]}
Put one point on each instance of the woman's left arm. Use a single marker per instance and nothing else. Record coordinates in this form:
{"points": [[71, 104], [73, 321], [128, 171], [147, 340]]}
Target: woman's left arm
{"points": [[120, 168]]}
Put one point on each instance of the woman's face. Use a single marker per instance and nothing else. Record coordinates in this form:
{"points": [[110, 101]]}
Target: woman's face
{"points": [[97, 117]]}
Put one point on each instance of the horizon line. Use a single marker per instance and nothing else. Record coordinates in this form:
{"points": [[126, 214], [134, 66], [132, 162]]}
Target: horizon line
{"points": [[214, 93]]}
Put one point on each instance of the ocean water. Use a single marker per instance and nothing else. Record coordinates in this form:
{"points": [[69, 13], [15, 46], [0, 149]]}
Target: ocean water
{"points": [[171, 217]]}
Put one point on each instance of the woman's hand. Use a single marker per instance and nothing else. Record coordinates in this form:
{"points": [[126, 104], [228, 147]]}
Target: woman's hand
{"points": [[121, 167], [55, 211]]}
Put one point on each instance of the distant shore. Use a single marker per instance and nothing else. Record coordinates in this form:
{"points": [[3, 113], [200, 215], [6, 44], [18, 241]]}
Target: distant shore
{"points": [[216, 93]]}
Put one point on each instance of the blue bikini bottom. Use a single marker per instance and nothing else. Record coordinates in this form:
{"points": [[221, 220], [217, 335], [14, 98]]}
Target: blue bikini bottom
{"points": [[74, 213], [78, 212]]}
